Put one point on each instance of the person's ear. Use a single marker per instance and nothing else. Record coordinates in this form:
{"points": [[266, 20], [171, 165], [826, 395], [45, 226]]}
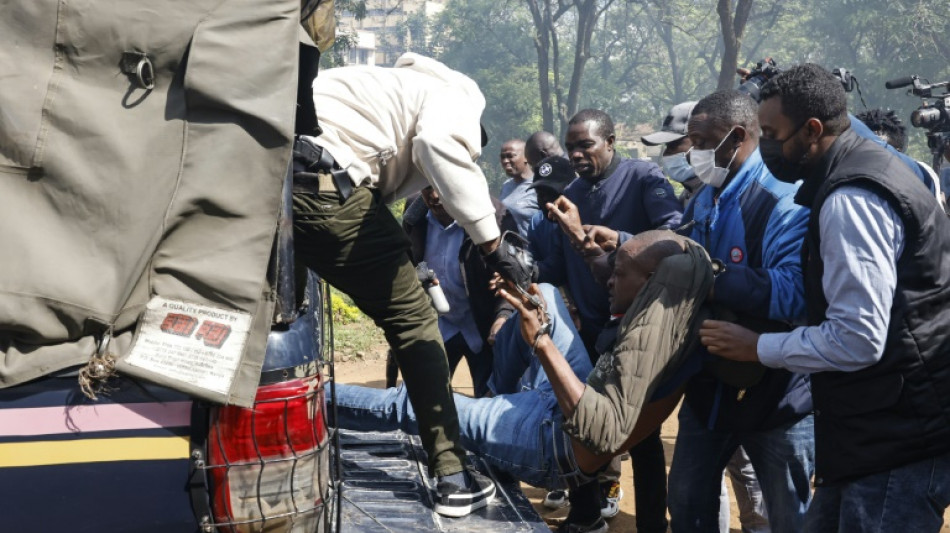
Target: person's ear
{"points": [[814, 129], [610, 141], [739, 135]]}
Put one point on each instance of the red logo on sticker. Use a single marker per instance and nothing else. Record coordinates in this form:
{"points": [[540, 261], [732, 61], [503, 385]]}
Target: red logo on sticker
{"points": [[213, 334], [736, 255], [179, 324]]}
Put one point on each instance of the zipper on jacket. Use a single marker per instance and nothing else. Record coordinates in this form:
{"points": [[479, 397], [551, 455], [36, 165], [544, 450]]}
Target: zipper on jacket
{"points": [[707, 228]]}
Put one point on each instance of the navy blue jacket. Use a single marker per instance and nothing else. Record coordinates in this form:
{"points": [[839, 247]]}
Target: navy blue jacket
{"points": [[634, 197], [756, 230]]}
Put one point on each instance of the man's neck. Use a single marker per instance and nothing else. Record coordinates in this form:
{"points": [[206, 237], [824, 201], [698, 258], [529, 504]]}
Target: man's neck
{"points": [[611, 167], [817, 167]]}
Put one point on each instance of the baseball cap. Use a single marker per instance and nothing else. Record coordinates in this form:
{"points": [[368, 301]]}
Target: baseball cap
{"points": [[554, 172], [674, 125]]}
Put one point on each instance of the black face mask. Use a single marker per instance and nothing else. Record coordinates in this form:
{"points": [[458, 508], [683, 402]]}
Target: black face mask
{"points": [[781, 168]]}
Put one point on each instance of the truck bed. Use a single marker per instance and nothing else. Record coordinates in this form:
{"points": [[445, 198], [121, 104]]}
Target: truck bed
{"points": [[385, 488]]}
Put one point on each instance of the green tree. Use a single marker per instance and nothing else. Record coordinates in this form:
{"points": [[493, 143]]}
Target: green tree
{"points": [[487, 41]]}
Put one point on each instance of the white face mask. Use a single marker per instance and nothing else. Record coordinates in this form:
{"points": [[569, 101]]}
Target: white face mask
{"points": [[704, 163], [677, 167]]}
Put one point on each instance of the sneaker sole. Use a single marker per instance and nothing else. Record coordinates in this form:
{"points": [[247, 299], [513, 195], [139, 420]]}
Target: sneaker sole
{"points": [[461, 509], [613, 507], [556, 504]]}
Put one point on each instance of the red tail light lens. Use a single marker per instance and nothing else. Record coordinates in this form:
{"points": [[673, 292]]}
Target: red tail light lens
{"points": [[269, 465]]}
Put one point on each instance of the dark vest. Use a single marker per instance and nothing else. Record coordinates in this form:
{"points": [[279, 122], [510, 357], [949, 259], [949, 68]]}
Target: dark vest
{"points": [[896, 411]]}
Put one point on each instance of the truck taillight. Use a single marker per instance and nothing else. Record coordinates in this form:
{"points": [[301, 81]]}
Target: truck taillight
{"points": [[268, 466]]}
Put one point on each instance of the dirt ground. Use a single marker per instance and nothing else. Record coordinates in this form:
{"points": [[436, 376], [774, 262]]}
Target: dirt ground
{"points": [[369, 370]]}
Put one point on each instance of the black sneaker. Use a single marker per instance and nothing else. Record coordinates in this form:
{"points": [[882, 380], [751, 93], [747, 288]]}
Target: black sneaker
{"points": [[454, 501], [597, 526]]}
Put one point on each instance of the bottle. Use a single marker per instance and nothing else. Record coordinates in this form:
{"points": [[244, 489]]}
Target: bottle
{"points": [[431, 285]]}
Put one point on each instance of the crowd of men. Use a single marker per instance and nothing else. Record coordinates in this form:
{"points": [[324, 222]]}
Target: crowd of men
{"points": [[792, 296]]}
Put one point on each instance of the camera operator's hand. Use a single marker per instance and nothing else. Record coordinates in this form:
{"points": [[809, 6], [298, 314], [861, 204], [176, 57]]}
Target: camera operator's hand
{"points": [[512, 261]]}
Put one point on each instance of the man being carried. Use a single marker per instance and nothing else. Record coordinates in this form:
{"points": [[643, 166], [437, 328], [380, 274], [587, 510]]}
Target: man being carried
{"points": [[574, 426]]}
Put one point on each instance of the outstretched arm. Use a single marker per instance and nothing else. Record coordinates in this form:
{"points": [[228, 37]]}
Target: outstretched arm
{"points": [[567, 387]]}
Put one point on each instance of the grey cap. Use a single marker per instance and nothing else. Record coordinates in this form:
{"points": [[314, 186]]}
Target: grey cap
{"points": [[674, 125]]}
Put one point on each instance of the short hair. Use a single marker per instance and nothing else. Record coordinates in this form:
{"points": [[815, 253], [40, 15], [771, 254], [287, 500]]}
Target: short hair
{"points": [[541, 144], [603, 126], [808, 91], [651, 247], [515, 141], [886, 124], [728, 108]]}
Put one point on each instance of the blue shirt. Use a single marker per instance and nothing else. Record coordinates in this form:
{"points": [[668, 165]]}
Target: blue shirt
{"points": [[635, 197], [861, 238], [442, 255], [521, 202]]}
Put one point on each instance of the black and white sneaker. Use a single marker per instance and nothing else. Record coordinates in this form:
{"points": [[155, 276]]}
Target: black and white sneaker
{"points": [[599, 525], [454, 501], [556, 499]]}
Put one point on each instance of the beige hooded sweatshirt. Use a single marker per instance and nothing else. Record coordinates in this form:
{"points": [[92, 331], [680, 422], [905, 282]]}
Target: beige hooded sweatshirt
{"points": [[401, 129]]}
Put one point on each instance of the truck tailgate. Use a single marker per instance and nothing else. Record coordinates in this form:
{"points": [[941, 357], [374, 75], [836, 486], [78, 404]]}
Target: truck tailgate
{"points": [[385, 488]]}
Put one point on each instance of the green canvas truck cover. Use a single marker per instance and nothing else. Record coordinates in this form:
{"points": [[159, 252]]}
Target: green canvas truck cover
{"points": [[142, 150]]}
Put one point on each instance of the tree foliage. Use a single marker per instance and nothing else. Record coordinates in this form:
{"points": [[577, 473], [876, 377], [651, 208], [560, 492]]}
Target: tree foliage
{"points": [[539, 61]]}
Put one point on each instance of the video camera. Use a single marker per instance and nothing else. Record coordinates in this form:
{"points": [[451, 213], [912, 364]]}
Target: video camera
{"points": [[932, 114], [754, 79]]}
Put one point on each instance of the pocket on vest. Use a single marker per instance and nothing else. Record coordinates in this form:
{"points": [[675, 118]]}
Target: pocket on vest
{"points": [[867, 396]]}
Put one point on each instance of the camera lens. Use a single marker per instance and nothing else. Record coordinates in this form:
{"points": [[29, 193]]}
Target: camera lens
{"points": [[752, 86], [925, 117]]}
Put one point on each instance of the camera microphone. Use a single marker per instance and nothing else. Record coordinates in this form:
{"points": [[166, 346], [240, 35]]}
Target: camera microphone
{"points": [[899, 82]]}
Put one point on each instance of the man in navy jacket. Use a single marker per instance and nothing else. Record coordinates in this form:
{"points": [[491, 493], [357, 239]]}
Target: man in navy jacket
{"points": [[629, 196]]}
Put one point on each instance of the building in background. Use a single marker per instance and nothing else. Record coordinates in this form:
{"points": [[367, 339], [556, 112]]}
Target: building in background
{"points": [[389, 29], [362, 50]]}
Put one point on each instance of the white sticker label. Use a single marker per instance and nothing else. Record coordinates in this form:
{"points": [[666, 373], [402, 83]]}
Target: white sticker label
{"points": [[192, 343]]}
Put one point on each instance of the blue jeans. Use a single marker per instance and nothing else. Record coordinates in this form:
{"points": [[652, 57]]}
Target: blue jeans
{"points": [[783, 459], [908, 498], [519, 429], [753, 517]]}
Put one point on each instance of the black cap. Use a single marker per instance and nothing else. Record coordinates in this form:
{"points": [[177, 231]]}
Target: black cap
{"points": [[553, 172]]}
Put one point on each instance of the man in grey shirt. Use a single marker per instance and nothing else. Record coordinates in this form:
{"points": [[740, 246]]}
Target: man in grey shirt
{"points": [[519, 199]]}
